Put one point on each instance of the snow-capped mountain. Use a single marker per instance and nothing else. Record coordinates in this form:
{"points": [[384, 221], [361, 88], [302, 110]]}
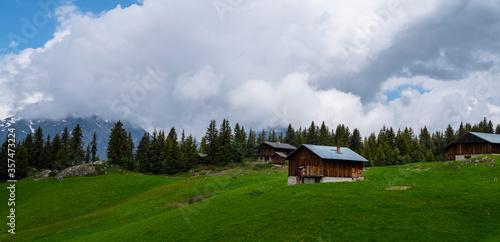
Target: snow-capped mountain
{"points": [[89, 125]]}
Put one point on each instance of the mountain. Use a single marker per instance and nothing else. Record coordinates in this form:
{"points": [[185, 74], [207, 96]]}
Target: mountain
{"points": [[89, 125]]}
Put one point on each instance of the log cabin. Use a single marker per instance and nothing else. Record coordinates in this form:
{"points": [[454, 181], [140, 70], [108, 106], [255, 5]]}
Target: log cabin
{"points": [[273, 152], [472, 144], [315, 163]]}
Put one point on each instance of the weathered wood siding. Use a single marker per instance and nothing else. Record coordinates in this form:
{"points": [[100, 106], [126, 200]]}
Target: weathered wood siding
{"points": [[315, 166], [277, 159], [470, 145]]}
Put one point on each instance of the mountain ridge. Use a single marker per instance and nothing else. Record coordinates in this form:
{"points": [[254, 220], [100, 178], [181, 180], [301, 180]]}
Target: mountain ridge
{"points": [[89, 125]]}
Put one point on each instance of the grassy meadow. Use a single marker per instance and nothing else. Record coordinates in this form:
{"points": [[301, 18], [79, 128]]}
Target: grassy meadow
{"points": [[452, 201]]}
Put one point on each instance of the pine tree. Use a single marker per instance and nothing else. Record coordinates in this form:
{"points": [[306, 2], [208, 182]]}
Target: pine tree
{"points": [[272, 136], [65, 136], [290, 136], [142, 155], [37, 149], [88, 155], [312, 134], [118, 145], [225, 151], [76, 152], [239, 143], [211, 138], [56, 146], [324, 136], [355, 143], [46, 154], [93, 149], [262, 137], [449, 135], [250, 144], [171, 164], [497, 131]]}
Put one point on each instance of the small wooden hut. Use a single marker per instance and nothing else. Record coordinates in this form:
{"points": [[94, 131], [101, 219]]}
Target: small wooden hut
{"points": [[315, 163], [274, 152], [472, 144]]}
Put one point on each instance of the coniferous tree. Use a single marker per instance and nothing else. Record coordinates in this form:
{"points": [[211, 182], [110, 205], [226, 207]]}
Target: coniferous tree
{"points": [[225, 151], [45, 156], [290, 136], [37, 149], [171, 163], [65, 136], [497, 130], [93, 149], [142, 154], [239, 141], [449, 135], [211, 139], [250, 144], [312, 134], [261, 137], [118, 145], [76, 152], [56, 146], [324, 136], [28, 144], [88, 155], [272, 136], [356, 143]]}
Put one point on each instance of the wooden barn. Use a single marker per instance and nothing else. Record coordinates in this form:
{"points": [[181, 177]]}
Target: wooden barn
{"points": [[273, 152], [472, 144], [315, 163]]}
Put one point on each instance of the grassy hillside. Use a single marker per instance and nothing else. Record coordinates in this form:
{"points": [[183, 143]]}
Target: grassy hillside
{"points": [[443, 201]]}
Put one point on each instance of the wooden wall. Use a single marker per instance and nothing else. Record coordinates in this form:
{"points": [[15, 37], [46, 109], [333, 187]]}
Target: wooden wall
{"points": [[471, 149], [315, 166]]}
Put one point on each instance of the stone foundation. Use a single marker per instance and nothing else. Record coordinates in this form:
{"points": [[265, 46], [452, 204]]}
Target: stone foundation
{"points": [[292, 180]]}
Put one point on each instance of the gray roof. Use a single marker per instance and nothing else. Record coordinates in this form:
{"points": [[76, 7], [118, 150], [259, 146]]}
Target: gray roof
{"points": [[278, 145], [490, 138], [330, 153], [283, 155]]}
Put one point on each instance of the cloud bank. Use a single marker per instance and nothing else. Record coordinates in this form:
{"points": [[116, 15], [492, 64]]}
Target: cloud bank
{"points": [[264, 64]]}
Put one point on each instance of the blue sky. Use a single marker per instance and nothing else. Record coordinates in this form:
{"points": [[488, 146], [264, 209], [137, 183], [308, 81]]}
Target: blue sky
{"points": [[260, 63], [18, 15]]}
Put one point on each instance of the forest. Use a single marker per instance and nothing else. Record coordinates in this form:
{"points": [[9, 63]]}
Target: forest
{"points": [[158, 153]]}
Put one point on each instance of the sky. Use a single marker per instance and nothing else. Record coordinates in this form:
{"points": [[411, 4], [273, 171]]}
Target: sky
{"points": [[261, 63]]}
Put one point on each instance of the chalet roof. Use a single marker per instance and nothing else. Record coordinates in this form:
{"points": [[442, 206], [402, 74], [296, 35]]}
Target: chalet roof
{"points": [[330, 153], [490, 138], [278, 145], [283, 155]]}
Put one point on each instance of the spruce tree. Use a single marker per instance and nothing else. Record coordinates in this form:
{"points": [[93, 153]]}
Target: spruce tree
{"points": [[250, 144], [355, 143], [212, 146], [93, 149], [37, 149], [225, 151], [449, 135], [142, 155], [118, 145], [56, 146], [261, 137], [290, 136], [497, 131], [324, 136], [171, 164], [76, 152]]}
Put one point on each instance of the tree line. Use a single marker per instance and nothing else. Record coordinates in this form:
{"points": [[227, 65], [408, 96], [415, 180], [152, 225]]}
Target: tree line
{"points": [[158, 153], [40, 152]]}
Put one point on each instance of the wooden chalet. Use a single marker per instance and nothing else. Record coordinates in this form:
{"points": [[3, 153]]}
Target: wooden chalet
{"points": [[315, 163], [472, 144], [273, 152]]}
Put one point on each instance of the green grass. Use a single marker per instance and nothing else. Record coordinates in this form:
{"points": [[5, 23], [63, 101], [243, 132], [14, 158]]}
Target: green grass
{"points": [[453, 201]]}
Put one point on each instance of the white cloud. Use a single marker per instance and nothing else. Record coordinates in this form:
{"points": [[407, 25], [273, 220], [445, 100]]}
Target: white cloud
{"points": [[265, 64]]}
